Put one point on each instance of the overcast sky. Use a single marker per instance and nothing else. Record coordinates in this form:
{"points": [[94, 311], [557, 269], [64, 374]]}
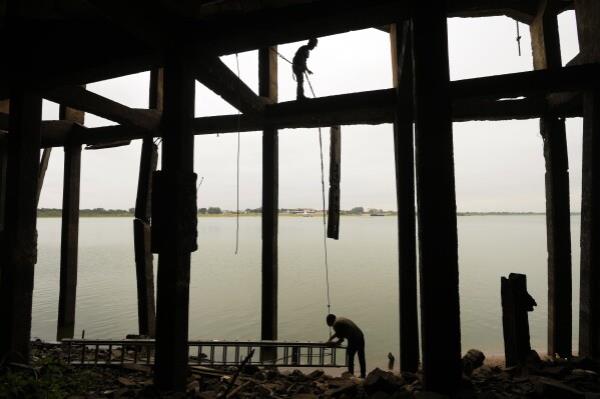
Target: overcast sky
{"points": [[499, 165]]}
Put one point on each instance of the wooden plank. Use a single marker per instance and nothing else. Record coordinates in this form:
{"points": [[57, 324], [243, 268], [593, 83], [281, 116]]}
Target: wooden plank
{"points": [[589, 308], [67, 297], [531, 83], [587, 14], [45, 159], [335, 161], [464, 111], [400, 41], [174, 217], [438, 252], [516, 303], [20, 247], [141, 225], [546, 55], [268, 89], [78, 97], [214, 74]]}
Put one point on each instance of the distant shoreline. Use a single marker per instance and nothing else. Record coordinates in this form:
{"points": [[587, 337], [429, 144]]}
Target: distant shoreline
{"points": [[56, 213]]}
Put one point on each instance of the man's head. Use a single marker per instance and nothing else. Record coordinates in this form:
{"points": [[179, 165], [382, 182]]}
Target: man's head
{"points": [[312, 43], [330, 319]]}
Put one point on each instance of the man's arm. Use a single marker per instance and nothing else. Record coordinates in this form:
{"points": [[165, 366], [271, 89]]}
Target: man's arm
{"points": [[332, 337]]}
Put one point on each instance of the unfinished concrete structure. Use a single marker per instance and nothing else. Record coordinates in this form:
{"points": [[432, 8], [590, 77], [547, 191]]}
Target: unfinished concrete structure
{"points": [[56, 47]]}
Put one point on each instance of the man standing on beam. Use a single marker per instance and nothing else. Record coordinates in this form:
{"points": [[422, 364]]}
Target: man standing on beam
{"points": [[299, 66]]}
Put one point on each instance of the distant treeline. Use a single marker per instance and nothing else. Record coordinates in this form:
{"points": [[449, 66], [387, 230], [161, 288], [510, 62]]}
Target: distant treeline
{"points": [[213, 210]]}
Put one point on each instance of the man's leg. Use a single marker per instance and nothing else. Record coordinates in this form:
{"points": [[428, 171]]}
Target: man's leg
{"points": [[362, 362], [300, 86], [351, 352]]}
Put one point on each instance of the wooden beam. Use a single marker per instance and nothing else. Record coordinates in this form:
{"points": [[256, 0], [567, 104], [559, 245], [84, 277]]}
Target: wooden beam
{"points": [[521, 10], [267, 87], [401, 45], [541, 82], [174, 218], [436, 197], [141, 225], [464, 111], [130, 42], [214, 74], [588, 13], [546, 55], [45, 159], [19, 238], [69, 238], [335, 174], [78, 97]]}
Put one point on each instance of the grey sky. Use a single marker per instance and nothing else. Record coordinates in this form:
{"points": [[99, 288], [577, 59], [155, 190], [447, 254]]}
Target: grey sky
{"points": [[499, 165]]}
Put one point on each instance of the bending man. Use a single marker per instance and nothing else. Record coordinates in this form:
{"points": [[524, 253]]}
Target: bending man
{"points": [[346, 329], [299, 66]]}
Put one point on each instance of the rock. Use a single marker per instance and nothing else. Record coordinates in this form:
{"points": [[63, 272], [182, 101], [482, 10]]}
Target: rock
{"points": [[533, 358], [584, 363], [250, 369], [340, 386], [207, 395], [193, 387], [379, 380], [380, 395], [551, 389], [126, 381], [305, 396], [315, 374], [472, 360], [556, 372], [430, 395]]}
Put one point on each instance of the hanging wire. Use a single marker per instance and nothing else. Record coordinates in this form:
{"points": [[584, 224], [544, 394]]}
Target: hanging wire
{"points": [[237, 209], [281, 56], [518, 38], [200, 184], [323, 206], [325, 252]]}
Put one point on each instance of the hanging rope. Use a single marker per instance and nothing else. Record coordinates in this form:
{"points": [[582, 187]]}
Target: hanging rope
{"points": [[325, 252], [323, 206], [518, 38], [237, 206]]}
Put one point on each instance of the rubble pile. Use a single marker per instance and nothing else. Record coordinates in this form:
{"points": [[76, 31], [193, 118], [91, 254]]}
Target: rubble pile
{"points": [[541, 378]]}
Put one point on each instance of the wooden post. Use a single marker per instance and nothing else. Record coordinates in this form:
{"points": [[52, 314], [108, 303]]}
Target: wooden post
{"points": [[44, 161], [144, 266], [588, 13], [516, 303], [401, 46], [67, 297], [174, 217], [546, 55], [267, 87], [335, 161], [19, 252], [436, 198]]}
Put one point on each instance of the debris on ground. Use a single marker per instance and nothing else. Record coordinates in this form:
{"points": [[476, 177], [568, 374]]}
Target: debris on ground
{"points": [[50, 377]]}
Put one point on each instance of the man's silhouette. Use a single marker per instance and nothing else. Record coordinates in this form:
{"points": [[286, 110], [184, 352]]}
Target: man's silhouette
{"points": [[299, 66], [346, 329]]}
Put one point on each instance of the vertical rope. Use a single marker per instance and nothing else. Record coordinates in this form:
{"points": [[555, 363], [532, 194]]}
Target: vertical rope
{"points": [[325, 252], [518, 38], [237, 204]]}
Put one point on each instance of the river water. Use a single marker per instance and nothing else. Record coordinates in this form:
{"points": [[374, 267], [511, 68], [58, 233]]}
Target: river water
{"points": [[225, 288]]}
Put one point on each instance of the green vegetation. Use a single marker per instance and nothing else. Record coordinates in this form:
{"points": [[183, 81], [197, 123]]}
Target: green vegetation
{"points": [[47, 378]]}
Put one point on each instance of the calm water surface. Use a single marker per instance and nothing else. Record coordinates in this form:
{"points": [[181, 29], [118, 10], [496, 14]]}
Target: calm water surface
{"points": [[225, 288]]}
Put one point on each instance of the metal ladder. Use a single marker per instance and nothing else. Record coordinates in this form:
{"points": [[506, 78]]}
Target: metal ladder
{"points": [[207, 353]]}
